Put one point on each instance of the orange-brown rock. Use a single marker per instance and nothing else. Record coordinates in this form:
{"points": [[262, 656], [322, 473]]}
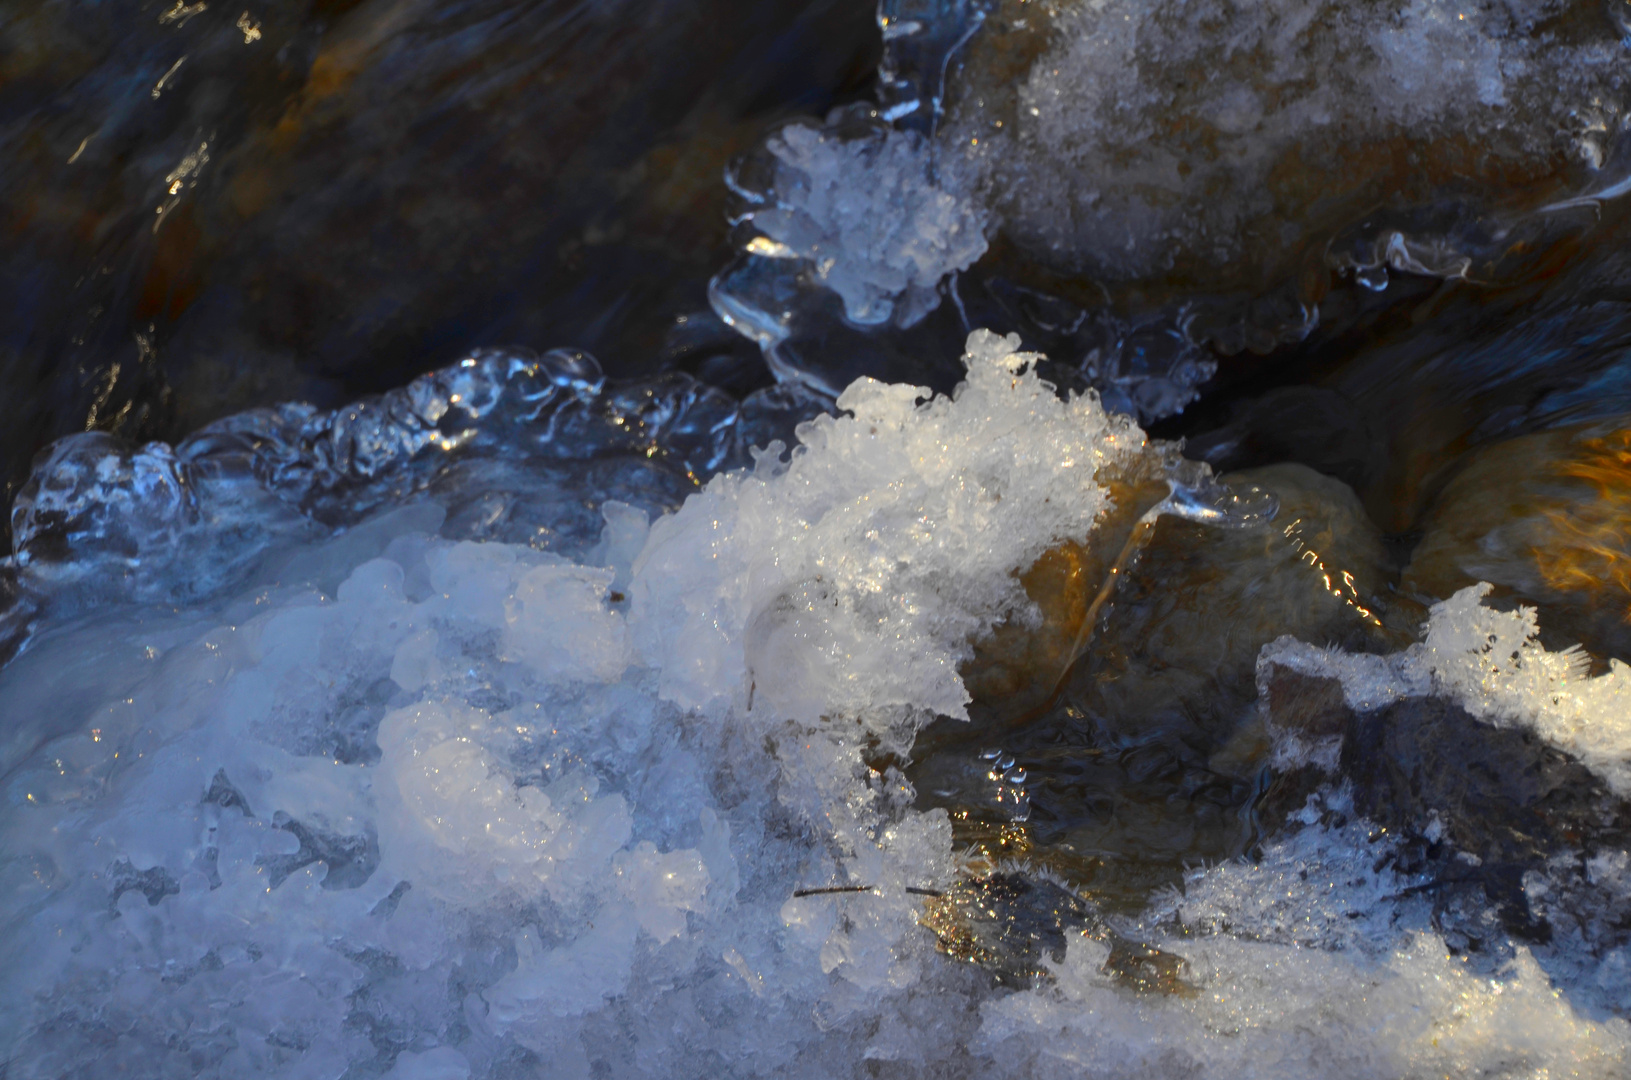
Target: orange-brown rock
{"points": [[1546, 518]]}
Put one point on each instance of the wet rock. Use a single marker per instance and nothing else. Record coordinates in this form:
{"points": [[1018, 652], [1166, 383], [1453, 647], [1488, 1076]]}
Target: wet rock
{"points": [[1310, 425], [1546, 518], [1501, 794], [1508, 835], [1018, 668], [1503, 825], [1144, 752]]}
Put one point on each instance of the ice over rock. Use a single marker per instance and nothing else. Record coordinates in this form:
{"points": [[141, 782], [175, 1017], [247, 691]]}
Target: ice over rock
{"points": [[481, 811], [1130, 139], [1493, 665]]}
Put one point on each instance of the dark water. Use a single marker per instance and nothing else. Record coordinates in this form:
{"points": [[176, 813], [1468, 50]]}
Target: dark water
{"points": [[210, 207]]}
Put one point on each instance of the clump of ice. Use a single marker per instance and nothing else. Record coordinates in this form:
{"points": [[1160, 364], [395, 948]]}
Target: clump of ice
{"points": [[473, 805], [880, 221], [851, 581], [1265, 1009], [1493, 664]]}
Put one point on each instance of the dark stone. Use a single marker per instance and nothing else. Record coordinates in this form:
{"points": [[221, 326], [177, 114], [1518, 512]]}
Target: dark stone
{"points": [[1502, 794], [221, 793], [1312, 706], [1497, 825], [154, 883], [1310, 425], [351, 860]]}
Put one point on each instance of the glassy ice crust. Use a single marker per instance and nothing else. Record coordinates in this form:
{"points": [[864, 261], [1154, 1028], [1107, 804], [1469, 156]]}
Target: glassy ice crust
{"points": [[1493, 665], [880, 224], [487, 811]]}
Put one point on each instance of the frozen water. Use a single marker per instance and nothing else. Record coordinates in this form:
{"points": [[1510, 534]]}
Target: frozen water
{"points": [[478, 809], [859, 573], [101, 520], [869, 210], [1318, 959]]}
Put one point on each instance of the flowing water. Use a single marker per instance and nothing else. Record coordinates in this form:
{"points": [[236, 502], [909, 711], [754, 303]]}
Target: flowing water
{"points": [[976, 538]]}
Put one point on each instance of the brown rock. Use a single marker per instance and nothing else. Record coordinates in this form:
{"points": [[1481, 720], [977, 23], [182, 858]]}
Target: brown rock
{"points": [[1546, 519]]}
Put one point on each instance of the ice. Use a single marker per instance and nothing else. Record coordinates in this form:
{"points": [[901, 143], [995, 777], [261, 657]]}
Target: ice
{"points": [[854, 578], [871, 210], [1492, 664], [1318, 958], [436, 807], [1267, 1010], [102, 521]]}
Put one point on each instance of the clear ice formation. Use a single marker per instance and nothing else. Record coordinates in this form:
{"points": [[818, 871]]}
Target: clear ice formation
{"points": [[868, 208], [884, 218], [180, 523], [920, 40], [401, 804]]}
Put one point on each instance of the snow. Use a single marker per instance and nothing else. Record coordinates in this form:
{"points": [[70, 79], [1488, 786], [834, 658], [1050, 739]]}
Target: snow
{"points": [[1202, 134]]}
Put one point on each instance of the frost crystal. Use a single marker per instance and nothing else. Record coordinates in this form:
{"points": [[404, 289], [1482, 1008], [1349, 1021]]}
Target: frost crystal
{"points": [[878, 220]]}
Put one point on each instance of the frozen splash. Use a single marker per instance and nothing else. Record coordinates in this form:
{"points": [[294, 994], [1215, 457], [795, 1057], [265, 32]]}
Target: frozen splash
{"points": [[481, 809]]}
